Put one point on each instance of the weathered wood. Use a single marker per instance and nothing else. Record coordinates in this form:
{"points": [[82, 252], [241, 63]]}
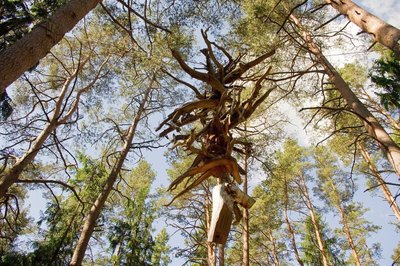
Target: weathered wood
{"points": [[225, 197], [221, 219], [239, 196]]}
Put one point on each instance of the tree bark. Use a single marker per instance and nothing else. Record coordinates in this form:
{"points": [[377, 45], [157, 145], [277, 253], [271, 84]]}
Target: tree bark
{"points": [[211, 261], [221, 254], [385, 189], [13, 173], [374, 104], [246, 246], [98, 205], [314, 220], [274, 250], [381, 31], [290, 228], [345, 224], [389, 148], [27, 51]]}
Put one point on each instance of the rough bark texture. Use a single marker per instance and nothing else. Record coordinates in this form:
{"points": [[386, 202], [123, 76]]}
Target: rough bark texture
{"points": [[381, 182], [389, 148], [98, 205], [32, 47], [381, 31]]}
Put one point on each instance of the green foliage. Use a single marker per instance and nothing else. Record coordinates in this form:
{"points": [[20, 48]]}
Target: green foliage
{"points": [[17, 17], [396, 255], [63, 218], [188, 212], [131, 217], [312, 254], [14, 222], [354, 74], [386, 75], [161, 249]]}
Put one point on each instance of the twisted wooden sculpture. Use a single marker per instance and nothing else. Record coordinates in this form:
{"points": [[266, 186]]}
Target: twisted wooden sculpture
{"points": [[219, 110]]}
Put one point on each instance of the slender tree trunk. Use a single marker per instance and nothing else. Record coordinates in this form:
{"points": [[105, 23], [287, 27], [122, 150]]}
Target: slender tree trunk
{"points": [[274, 249], [390, 149], [98, 205], [245, 232], [385, 189], [33, 46], [381, 110], [221, 254], [345, 225], [12, 174], [211, 259], [290, 228], [381, 31], [292, 238], [314, 220]]}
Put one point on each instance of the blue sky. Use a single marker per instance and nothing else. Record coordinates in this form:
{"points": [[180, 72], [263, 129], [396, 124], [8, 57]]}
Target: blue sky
{"points": [[388, 10]]}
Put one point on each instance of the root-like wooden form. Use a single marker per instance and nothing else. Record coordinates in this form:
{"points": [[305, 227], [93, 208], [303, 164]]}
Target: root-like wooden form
{"points": [[219, 109]]}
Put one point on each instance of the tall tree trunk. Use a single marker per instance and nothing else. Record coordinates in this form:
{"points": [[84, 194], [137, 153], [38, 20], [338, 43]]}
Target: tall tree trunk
{"points": [[314, 220], [390, 149], [381, 31], [290, 228], [221, 254], [385, 189], [345, 225], [245, 232], [33, 46], [211, 259], [98, 205], [274, 249]]}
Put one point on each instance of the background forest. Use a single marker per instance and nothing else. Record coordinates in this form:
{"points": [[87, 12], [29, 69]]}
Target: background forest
{"points": [[118, 117]]}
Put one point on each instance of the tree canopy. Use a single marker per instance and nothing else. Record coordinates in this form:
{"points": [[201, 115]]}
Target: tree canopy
{"points": [[93, 91]]}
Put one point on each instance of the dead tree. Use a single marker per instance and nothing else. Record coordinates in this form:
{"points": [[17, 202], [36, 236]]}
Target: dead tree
{"points": [[219, 110]]}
